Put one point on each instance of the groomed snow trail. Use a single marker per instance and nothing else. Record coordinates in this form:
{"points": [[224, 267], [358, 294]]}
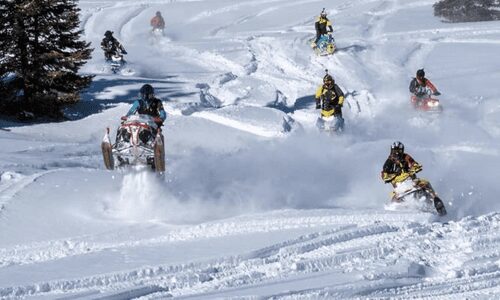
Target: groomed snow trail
{"points": [[255, 202]]}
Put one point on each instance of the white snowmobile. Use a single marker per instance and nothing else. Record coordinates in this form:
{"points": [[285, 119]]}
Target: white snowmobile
{"points": [[117, 63], [138, 142], [157, 32], [408, 194], [331, 125]]}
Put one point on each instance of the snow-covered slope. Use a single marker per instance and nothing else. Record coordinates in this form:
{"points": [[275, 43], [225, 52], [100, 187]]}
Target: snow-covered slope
{"points": [[255, 201]]}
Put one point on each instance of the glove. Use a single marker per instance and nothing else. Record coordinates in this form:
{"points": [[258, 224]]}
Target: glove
{"points": [[124, 52], [436, 93], [318, 106], [158, 120], [124, 118]]}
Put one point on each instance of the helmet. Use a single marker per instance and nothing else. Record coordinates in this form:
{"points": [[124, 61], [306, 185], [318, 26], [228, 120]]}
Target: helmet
{"points": [[420, 73], [158, 13], [328, 81], [147, 92], [323, 13], [108, 33], [397, 147]]}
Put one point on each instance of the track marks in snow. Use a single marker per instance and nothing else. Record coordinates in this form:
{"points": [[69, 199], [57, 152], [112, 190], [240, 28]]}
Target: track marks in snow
{"points": [[13, 183], [129, 18], [422, 258], [425, 259]]}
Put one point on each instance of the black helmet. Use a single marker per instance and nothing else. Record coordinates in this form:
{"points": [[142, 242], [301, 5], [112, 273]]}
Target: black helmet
{"points": [[397, 147], [108, 33], [147, 92], [420, 73], [328, 80], [158, 13]]}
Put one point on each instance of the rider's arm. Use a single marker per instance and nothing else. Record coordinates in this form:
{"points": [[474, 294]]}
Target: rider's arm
{"points": [[134, 108], [413, 85], [431, 86], [329, 25], [317, 96], [413, 166], [161, 111], [120, 46], [340, 94], [387, 175], [316, 26]]}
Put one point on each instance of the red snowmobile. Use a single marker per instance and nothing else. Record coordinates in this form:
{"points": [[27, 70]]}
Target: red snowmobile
{"points": [[425, 102]]}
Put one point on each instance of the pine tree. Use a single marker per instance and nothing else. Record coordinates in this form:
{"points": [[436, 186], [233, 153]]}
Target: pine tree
{"points": [[40, 42], [468, 10]]}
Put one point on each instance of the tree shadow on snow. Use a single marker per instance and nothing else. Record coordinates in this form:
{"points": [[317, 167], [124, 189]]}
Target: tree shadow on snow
{"points": [[123, 90]]}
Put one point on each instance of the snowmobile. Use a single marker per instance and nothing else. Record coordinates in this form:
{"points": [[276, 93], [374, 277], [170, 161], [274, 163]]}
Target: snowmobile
{"points": [[325, 45], [425, 102], [138, 142], [408, 194], [117, 61], [331, 124], [157, 32]]}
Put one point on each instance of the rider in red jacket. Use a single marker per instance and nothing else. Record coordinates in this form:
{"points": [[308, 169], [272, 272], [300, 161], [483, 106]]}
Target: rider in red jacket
{"points": [[157, 22], [420, 84]]}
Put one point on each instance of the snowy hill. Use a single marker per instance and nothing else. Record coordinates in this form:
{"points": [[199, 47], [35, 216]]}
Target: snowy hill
{"points": [[256, 202]]}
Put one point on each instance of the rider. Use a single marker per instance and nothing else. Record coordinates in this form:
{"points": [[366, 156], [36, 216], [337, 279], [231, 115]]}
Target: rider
{"points": [[419, 84], [329, 97], [148, 104], [400, 165], [157, 22], [322, 26], [110, 45]]}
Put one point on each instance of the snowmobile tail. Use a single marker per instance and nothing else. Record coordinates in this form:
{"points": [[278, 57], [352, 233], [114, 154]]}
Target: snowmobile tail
{"points": [[416, 194], [438, 204], [159, 153], [107, 151]]}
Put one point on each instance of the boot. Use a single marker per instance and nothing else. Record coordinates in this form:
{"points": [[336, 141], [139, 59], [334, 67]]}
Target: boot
{"points": [[438, 204]]}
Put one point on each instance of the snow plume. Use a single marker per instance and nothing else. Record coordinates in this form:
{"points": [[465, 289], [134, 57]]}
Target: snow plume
{"points": [[139, 197], [303, 171]]}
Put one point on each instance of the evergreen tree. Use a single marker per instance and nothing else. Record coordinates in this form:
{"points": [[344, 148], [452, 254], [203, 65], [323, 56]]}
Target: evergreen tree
{"points": [[468, 10], [40, 42]]}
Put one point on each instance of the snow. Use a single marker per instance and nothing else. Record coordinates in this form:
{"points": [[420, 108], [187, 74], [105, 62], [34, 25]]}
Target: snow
{"points": [[256, 203]]}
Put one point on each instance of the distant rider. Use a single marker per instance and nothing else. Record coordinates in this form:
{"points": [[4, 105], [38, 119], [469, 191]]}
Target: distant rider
{"points": [[420, 84], [111, 46], [322, 26], [157, 22], [329, 98], [400, 166]]}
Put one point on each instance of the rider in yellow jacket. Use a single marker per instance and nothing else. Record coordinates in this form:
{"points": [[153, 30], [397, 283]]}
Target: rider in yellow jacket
{"points": [[329, 97], [400, 166], [322, 26]]}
